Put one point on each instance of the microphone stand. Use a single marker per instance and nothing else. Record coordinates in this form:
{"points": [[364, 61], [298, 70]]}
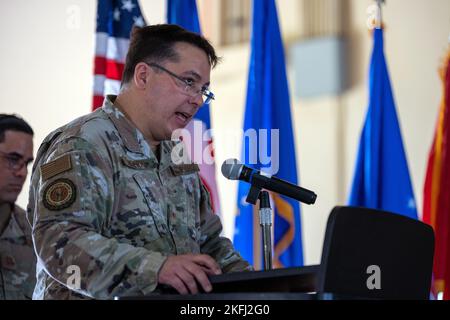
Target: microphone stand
{"points": [[265, 220], [234, 170]]}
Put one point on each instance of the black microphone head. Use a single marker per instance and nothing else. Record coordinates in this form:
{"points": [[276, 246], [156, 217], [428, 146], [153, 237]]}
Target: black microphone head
{"points": [[231, 169]]}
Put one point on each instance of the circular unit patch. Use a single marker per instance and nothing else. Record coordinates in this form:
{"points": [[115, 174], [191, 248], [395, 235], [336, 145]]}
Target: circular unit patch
{"points": [[60, 194]]}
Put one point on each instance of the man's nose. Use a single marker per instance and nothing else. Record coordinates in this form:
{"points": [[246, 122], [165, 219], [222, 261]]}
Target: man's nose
{"points": [[197, 100]]}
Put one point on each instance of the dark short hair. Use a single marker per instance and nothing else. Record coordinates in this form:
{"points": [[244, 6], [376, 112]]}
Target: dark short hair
{"points": [[155, 43], [13, 122]]}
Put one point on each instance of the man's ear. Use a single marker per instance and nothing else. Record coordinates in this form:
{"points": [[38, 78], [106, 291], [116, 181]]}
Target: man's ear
{"points": [[141, 75]]}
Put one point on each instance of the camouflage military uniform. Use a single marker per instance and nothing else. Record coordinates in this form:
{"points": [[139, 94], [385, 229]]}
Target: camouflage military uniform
{"points": [[17, 259], [103, 202]]}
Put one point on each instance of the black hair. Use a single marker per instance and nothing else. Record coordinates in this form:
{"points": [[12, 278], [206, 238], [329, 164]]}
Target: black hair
{"points": [[13, 122], [156, 43]]}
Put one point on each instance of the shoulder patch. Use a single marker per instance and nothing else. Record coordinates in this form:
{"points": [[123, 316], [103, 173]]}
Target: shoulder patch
{"points": [[56, 167], [59, 194]]}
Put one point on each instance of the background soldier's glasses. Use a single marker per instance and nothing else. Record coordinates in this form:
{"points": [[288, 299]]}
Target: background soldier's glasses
{"points": [[14, 161]]}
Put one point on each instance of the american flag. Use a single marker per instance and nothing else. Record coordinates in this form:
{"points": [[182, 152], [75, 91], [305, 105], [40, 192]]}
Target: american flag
{"points": [[115, 20]]}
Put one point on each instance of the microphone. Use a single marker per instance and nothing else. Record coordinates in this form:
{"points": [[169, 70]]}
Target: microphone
{"points": [[234, 170]]}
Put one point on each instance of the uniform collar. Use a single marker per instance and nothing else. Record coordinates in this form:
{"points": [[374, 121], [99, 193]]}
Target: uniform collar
{"points": [[127, 131], [15, 225], [166, 149]]}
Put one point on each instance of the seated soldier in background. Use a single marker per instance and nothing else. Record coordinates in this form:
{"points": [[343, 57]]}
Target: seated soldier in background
{"points": [[17, 259]]}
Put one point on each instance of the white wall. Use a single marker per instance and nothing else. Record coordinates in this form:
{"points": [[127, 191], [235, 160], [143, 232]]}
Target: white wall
{"points": [[46, 76]]}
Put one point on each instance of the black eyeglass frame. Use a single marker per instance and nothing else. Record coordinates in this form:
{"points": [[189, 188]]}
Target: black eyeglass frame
{"points": [[189, 85], [15, 163]]}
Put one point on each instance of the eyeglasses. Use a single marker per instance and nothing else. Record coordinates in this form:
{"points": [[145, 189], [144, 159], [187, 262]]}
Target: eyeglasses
{"points": [[15, 162], [190, 88]]}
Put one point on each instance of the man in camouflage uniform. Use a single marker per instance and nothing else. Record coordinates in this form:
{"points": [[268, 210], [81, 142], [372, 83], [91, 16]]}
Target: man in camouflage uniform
{"points": [[113, 214], [17, 259]]}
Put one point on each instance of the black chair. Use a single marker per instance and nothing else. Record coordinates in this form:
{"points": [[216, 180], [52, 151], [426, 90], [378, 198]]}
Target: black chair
{"points": [[363, 246]]}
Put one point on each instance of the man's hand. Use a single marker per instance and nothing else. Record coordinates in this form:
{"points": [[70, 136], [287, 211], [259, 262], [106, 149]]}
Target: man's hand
{"points": [[184, 271]]}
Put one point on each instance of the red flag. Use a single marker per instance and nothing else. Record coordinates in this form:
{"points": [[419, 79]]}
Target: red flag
{"points": [[436, 207]]}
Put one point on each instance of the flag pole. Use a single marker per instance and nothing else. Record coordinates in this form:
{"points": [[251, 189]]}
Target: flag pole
{"points": [[379, 22]]}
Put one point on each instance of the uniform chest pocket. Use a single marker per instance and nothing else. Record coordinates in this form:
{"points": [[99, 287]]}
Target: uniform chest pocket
{"points": [[154, 201], [187, 189], [138, 219]]}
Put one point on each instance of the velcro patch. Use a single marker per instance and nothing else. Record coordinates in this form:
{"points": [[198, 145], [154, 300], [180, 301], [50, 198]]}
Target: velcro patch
{"points": [[182, 169], [138, 164], [59, 194], [56, 167]]}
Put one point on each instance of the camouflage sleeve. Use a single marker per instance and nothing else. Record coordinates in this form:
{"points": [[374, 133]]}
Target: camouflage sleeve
{"points": [[73, 201], [220, 248]]}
